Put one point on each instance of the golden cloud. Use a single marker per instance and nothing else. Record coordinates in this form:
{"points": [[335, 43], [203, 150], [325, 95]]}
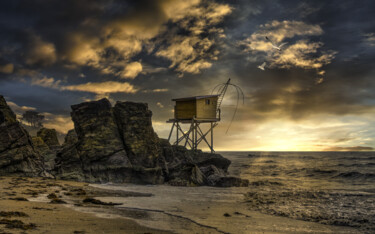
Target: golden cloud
{"points": [[83, 50], [131, 70], [61, 123], [159, 90], [7, 68], [102, 87], [19, 109], [279, 30], [192, 53], [299, 55], [46, 82], [160, 105], [155, 90], [303, 53], [40, 52], [99, 88], [186, 54], [370, 39]]}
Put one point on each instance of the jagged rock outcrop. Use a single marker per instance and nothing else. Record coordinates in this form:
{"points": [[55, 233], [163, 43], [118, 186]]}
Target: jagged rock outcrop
{"points": [[17, 153], [119, 145]]}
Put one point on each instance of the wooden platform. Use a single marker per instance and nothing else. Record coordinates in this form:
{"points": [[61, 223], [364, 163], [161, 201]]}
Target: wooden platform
{"points": [[193, 120]]}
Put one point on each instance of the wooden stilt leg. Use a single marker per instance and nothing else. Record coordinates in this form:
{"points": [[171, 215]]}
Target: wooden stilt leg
{"points": [[212, 139], [177, 133], [170, 134]]}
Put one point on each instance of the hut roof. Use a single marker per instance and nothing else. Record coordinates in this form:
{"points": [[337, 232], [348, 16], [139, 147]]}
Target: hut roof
{"points": [[195, 97]]}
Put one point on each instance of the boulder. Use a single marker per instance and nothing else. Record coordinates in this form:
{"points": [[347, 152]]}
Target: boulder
{"points": [[68, 163], [48, 154], [49, 136], [71, 137], [194, 168], [17, 153], [40, 145]]}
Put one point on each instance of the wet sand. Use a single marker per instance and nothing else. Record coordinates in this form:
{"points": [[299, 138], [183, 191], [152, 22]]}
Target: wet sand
{"points": [[207, 210], [25, 208]]}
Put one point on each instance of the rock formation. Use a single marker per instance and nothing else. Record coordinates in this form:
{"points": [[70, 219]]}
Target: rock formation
{"points": [[118, 144], [17, 153]]}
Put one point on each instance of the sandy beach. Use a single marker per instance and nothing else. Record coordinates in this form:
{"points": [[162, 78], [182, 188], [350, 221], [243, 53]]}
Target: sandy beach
{"points": [[23, 211], [40, 205]]}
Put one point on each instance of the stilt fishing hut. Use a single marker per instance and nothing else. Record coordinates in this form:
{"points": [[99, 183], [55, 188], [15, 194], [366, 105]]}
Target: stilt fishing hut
{"points": [[195, 111]]}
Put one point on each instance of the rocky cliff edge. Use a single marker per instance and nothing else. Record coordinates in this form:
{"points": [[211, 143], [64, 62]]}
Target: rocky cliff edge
{"points": [[17, 153]]}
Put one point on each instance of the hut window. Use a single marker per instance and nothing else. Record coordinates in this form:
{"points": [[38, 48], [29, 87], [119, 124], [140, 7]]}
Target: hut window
{"points": [[207, 101]]}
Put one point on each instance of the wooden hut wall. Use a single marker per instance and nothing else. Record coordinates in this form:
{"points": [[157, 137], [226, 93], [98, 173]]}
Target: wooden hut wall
{"points": [[185, 109], [206, 108]]}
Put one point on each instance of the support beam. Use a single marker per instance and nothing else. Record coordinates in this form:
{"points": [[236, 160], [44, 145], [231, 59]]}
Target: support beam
{"points": [[170, 134], [188, 137], [178, 126], [205, 134], [196, 136], [203, 137], [212, 139], [184, 136]]}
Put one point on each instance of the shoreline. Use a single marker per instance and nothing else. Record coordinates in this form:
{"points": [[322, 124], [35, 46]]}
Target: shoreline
{"points": [[22, 208]]}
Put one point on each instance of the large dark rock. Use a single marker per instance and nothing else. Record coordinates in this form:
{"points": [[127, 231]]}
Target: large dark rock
{"points": [[17, 153], [188, 168], [119, 145], [98, 153]]}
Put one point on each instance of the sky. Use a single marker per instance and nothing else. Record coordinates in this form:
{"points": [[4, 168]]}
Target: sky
{"points": [[315, 94]]}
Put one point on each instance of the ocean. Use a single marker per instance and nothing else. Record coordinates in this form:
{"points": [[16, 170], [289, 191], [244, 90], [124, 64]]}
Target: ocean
{"points": [[289, 192]]}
